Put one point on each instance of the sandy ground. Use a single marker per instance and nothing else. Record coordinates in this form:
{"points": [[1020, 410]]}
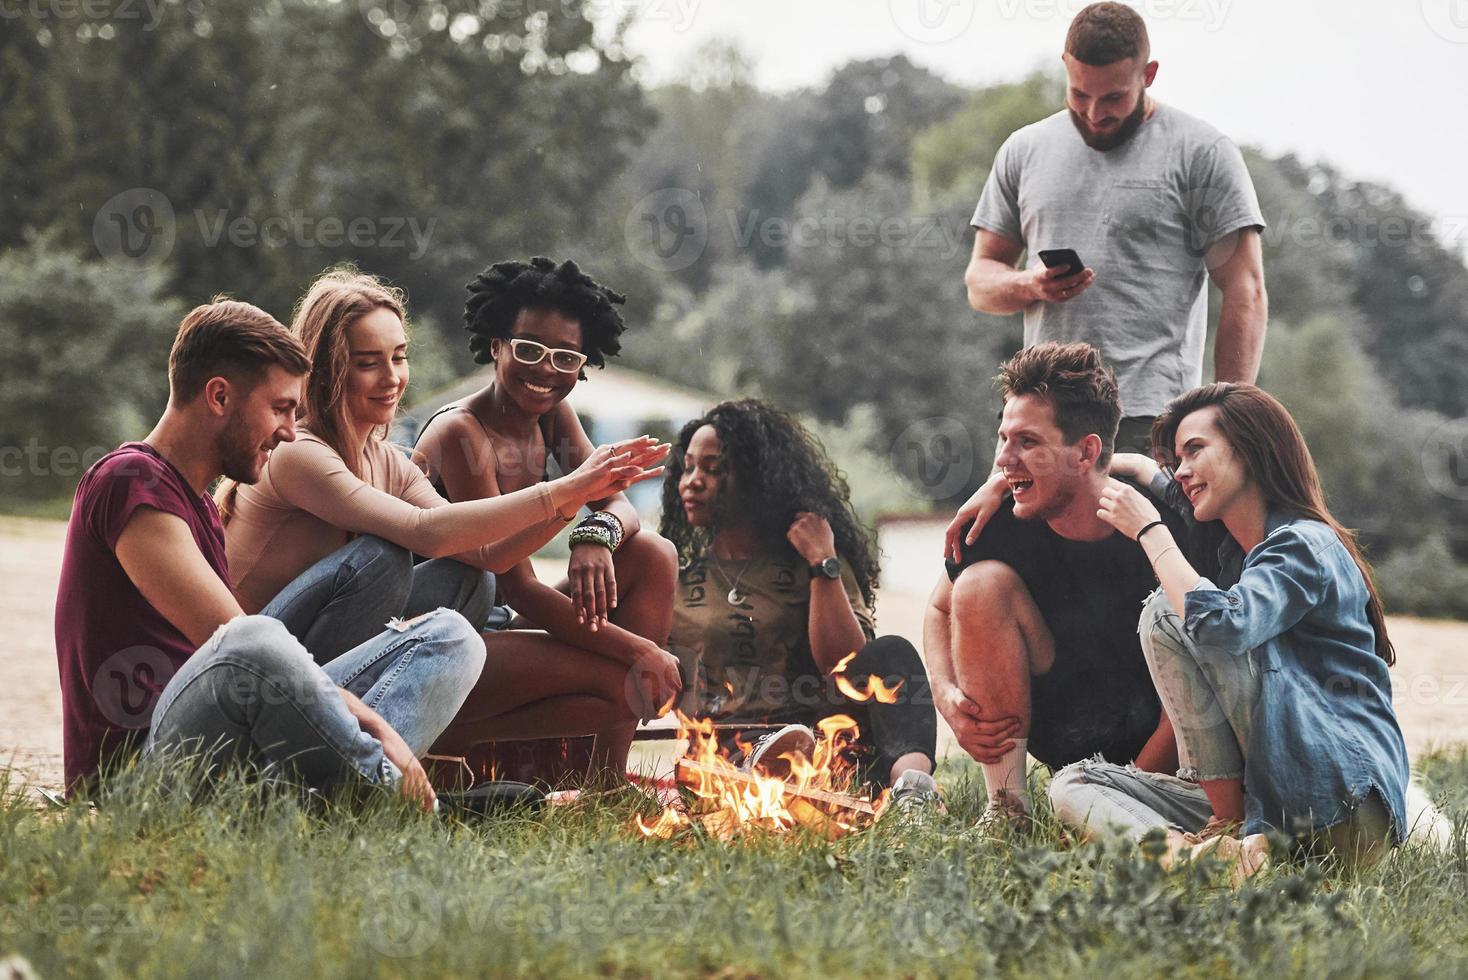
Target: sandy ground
{"points": [[1430, 679]]}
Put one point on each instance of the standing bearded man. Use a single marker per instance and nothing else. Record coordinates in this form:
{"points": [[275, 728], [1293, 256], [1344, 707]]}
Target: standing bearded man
{"points": [[1158, 201]]}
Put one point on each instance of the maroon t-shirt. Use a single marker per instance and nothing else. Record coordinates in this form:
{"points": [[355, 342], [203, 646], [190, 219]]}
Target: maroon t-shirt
{"points": [[115, 651]]}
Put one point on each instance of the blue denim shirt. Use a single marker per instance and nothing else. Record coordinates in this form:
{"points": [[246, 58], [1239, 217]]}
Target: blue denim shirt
{"points": [[1323, 734]]}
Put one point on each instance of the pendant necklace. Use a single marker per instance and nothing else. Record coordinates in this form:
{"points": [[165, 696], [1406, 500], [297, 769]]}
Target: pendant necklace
{"points": [[734, 596]]}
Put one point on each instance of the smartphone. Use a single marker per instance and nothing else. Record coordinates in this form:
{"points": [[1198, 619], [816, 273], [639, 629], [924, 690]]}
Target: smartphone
{"points": [[1053, 257]]}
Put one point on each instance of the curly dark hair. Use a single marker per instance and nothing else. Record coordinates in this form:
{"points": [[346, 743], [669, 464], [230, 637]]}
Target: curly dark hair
{"points": [[779, 470], [500, 292]]}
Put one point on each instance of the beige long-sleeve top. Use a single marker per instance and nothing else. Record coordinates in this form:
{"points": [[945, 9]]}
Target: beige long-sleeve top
{"points": [[308, 504]]}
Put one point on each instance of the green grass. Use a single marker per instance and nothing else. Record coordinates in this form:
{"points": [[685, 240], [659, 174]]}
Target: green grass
{"points": [[254, 881]]}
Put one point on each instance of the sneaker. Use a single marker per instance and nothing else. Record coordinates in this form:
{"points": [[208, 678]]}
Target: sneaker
{"points": [[499, 796], [771, 753], [1005, 815], [1216, 827], [914, 798]]}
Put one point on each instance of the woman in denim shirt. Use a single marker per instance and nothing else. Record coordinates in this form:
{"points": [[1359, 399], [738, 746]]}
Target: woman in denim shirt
{"points": [[1275, 678]]}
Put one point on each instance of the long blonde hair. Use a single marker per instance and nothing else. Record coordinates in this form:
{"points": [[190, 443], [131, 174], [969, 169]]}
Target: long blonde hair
{"points": [[337, 299]]}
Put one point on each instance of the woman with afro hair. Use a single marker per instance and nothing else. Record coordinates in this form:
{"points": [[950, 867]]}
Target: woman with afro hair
{"points": [[775, 590], [540, 324]]}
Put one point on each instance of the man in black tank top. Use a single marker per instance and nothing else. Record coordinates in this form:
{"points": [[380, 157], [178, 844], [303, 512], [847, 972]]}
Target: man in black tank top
{"points": [[1031, 636]]}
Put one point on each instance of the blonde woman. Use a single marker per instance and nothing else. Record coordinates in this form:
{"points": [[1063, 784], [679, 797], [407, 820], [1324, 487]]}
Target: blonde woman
{"points": [[324, 541]]}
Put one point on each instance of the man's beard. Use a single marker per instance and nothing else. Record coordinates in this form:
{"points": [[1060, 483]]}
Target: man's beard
{"points": [[1123, 132], [236, 452]]}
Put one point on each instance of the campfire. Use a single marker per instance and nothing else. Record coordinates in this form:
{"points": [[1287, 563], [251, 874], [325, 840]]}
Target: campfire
{"points": [[728, 802]]}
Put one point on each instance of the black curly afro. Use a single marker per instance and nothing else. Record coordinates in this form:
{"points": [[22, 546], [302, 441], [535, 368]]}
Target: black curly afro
{"points": [[500, 292], [779, 469]]}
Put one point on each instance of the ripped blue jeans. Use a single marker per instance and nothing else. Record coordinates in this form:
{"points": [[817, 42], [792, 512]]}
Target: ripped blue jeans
{"points": [[1211, 700]]}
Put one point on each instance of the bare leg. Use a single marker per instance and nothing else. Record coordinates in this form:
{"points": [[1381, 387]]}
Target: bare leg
{"points": [[999, 641], [913, 760], [534, 686], [647, 572]]}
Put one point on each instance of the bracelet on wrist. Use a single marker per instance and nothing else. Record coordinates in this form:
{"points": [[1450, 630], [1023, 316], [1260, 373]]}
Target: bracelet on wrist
{"points": [[1148, 527], [607, 522], [592, 534]]}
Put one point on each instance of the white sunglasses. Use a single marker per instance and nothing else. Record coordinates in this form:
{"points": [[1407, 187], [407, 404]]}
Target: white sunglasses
{"points": [[531, 352]]}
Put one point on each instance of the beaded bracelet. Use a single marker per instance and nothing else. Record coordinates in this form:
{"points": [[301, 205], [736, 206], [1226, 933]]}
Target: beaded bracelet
{"points": [[609, 522], [592, 534]]}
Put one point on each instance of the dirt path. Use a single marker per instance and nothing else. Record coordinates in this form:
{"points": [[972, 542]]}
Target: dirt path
{"points": [[1430, 679]]}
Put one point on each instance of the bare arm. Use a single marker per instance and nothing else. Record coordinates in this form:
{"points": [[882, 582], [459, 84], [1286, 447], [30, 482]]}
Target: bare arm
{"points": [[1236, 264], [834, 629], [996, 286], [554, 612], [311, 476], [1160, 752], [835, 632], [160, 556]]}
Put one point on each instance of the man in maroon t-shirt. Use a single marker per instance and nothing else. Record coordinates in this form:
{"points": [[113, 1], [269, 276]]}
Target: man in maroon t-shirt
{"points": [[152, 647]]}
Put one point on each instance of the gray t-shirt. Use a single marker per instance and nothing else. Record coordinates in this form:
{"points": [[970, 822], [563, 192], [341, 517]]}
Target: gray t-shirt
{"points": [[1141, 215]]}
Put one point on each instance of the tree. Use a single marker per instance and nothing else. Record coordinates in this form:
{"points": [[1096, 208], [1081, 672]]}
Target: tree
{"points": [[86, 346]]}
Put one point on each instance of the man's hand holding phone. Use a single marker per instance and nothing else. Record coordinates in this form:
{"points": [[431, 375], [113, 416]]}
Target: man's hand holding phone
{"points": [[1062, 277]]}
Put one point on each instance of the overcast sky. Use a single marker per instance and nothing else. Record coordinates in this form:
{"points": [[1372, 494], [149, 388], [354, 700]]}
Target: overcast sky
{"points": [[1379, 88]]}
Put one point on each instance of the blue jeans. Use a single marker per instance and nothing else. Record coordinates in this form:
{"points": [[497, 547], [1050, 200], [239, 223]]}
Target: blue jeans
{"points": [[349, 596], [1211, 699], [253, 693]]}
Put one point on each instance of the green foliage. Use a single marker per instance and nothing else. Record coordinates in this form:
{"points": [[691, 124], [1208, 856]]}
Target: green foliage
{"points": [[1424, 579], [254, 880], [84, 349]]}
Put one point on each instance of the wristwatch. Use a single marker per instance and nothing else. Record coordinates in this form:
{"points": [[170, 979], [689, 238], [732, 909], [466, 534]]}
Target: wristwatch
{"points": [[829, 567]]}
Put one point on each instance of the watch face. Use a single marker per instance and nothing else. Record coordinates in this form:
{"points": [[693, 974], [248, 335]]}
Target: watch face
{"points": [[830, 567]]}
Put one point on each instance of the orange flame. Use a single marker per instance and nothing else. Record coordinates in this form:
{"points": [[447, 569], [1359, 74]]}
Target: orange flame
{"points": [[729, 802], [876, 688]]}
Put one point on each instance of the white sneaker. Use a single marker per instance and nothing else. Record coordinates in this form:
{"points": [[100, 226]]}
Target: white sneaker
{"points": [[914, 798], [772, 751]]}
